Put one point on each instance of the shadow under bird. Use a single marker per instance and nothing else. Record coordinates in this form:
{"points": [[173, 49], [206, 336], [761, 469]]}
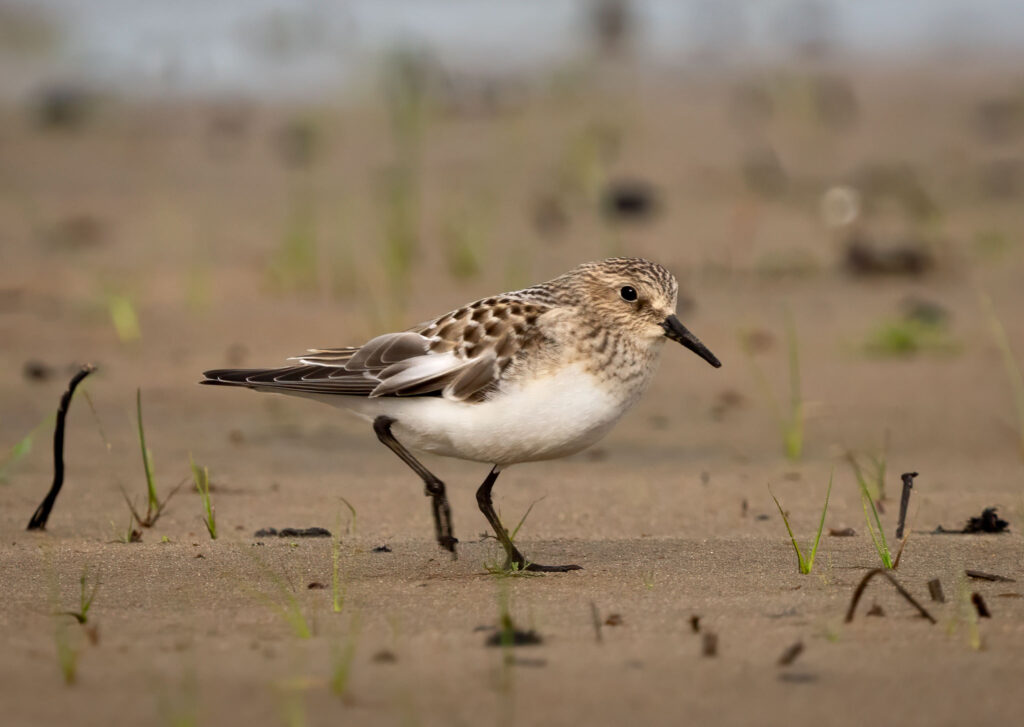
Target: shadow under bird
{"points": [[530, 375]]}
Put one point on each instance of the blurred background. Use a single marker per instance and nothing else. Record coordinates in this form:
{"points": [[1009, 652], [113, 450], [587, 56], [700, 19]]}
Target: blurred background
{"points": [[187, 185]]}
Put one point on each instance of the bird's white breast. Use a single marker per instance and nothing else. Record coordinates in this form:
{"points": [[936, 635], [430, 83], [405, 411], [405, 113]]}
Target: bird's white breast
{"points": [[538, 418]]}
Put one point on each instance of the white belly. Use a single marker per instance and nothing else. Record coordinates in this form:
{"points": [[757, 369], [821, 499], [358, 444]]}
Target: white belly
{"points": [[542, 419]]}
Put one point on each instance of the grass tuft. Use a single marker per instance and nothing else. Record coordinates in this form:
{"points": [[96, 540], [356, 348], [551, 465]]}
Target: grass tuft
{"points": [[806, 563], [154, 506], [86, 597], [281, 600], [873, 521], [908, 336], [201, 477]]}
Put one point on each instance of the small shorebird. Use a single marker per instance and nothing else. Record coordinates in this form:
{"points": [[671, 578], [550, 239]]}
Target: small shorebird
{"points": [[534, 374]]}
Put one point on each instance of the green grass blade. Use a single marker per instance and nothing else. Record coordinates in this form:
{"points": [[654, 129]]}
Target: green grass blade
{"points": [[1010, 363], [515, 531], [22, 449], [147, 462], [794, 437], [201, 477], [801, 563], [821, 524]]}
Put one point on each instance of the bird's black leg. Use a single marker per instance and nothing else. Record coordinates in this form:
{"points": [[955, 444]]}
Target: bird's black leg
{"points": [[434, 487], [513, 557]]}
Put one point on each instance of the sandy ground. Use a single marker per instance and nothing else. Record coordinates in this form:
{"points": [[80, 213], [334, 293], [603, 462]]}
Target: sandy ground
{"points": [[670, 516]]}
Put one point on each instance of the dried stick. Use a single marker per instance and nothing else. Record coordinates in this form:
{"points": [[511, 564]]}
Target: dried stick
{"points": [[859, 591], [42, 513]]}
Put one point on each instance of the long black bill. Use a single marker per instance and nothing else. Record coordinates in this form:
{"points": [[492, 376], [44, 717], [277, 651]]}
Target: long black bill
{"points": [[676, 331]]}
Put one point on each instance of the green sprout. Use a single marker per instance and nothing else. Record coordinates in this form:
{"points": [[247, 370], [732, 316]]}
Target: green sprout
{"points": [[86, 598], [805, 563], [871, 514], [154, 507], [201, 477]]}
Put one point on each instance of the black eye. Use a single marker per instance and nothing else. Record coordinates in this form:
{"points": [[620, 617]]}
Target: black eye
{"points": [[628, 293]]}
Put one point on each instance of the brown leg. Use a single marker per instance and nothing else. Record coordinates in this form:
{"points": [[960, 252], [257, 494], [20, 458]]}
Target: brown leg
{"points": [[513, 557], [434, 487]]}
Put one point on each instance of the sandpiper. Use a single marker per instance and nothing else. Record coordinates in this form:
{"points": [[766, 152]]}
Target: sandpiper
{"points": [[533, 374]]}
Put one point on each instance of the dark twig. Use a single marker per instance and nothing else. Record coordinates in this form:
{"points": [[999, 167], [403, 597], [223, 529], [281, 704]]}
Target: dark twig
{"points": [[983, 576], [42, 513], [152, 515], [859, 591], [935, 590], [979, 605], [596, 616], [908, 485]]}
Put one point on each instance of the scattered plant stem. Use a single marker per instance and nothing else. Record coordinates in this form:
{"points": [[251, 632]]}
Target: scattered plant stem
{"points": [[791, 423], [908, 485], [96, 418], [67, 655], [805, 563], [342, 658], [201, 476], [859, 591], [42, 513], [351, 528], [1010, 363], [286, 605], [595, 616], [337, 586]]}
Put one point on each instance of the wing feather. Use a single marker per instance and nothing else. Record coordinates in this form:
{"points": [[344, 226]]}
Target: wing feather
{"points": [[460, 356]]}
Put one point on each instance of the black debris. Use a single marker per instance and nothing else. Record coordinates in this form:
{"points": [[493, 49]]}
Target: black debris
{"points": [[875, 610], [709, 644], [987, 522], [37, 371], [514, 637], [983, 576], [293, 533], [935, 590], [629, 200], [859, 591], [316, 586], [382, 549], [867, 257], [980, 606], [791, 653], [695, 624]]}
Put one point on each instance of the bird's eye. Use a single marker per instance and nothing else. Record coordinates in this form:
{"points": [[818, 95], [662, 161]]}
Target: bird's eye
{"points": [[628, 293]]}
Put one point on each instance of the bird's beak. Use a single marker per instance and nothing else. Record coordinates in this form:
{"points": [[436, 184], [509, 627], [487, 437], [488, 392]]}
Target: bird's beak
{"points": [[676, 331]]}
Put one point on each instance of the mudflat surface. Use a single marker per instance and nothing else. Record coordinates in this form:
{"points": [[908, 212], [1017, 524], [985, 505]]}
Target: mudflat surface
{"points": [[670, 516]]}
